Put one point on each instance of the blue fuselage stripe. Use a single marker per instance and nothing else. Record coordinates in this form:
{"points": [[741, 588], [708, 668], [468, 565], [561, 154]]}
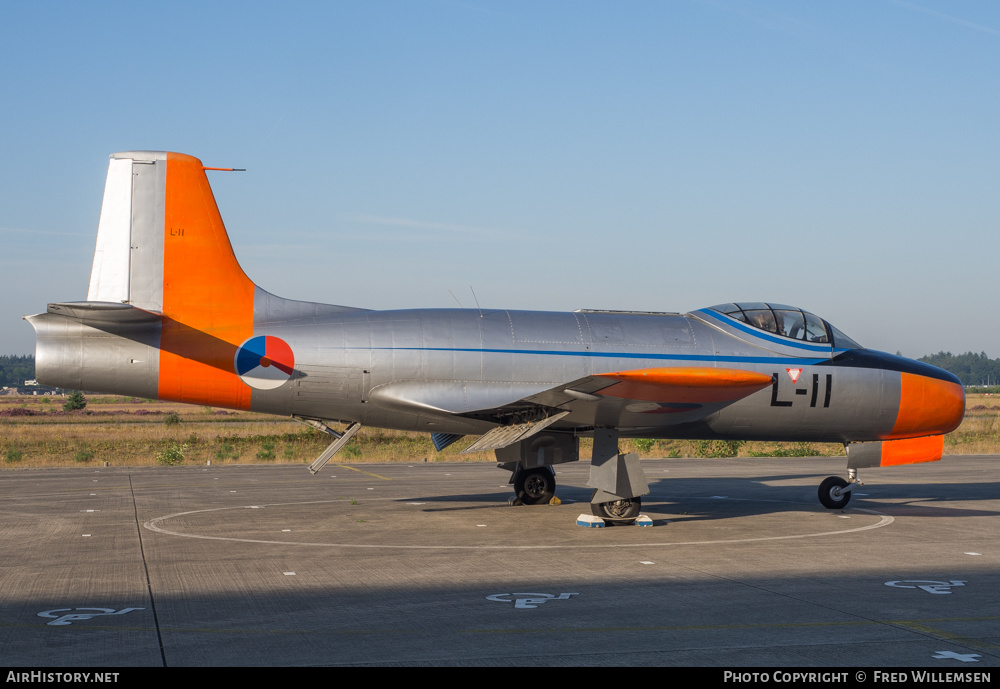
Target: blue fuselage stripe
{"points": [[620, 355]]}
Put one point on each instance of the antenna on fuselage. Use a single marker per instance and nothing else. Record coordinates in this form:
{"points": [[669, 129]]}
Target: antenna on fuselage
{"points": [[456, 299], [477, 301]]}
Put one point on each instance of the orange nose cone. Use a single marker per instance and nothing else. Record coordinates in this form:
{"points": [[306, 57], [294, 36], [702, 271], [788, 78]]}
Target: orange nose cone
{"points": [[927, 406]]}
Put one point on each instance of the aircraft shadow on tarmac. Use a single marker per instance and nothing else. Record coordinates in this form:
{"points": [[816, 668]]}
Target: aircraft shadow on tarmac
{"points": [[725, 498], [674, 616]]}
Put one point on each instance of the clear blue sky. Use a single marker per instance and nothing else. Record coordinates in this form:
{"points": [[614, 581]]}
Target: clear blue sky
{"points": [[840, 156]]}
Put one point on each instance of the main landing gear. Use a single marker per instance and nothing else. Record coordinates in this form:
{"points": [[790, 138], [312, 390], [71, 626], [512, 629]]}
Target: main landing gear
{"points": [[535, 486], [617, 479], [623, 511], [835, 492]]}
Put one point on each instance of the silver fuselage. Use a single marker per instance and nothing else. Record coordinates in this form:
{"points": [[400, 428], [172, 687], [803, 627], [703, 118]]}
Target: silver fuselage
{"points": [[451, 370]]}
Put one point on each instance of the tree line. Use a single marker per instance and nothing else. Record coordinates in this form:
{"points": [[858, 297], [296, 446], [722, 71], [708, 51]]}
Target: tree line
{"points": [[971, 369], [14, 370]]}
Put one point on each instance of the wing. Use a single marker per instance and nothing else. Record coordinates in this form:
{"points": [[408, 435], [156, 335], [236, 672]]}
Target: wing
{"points": [[647, 398], [691, 385], [639, 400]]}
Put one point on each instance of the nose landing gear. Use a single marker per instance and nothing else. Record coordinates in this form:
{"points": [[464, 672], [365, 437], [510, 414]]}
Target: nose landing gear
{"points": [[835, 492]]}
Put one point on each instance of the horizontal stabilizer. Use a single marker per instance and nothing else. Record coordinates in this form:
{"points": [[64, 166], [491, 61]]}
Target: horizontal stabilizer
{"points": [[105, 313]]}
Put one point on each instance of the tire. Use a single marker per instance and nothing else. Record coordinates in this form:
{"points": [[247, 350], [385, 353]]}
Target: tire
{"points": [[535, 486], [830, 493], [619, 511]]}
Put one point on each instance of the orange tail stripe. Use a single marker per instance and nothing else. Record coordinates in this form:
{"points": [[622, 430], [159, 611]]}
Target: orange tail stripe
{"points": [[207, 298]]}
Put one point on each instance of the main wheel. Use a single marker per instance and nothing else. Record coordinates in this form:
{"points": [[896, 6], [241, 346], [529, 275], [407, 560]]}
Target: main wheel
{"points": [[619, 511], [535, 486], [832, 493]]}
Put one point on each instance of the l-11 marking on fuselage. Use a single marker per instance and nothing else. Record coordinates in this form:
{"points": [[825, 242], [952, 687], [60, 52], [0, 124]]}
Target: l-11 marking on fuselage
{"points": [[171, 315], [814, 390]]}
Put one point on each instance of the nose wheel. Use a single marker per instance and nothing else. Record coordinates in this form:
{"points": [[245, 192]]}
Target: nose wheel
{"points": [[834, 493]]}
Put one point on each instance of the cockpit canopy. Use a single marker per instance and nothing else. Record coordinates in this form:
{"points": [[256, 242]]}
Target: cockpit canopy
{"points": [[787, 321]]}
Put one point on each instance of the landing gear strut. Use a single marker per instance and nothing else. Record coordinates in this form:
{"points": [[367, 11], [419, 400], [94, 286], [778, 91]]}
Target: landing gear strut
{"points": [[617, 478]]}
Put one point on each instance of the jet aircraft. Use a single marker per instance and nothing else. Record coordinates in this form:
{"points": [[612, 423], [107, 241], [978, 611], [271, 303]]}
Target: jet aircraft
{"points": [[171, 315]]}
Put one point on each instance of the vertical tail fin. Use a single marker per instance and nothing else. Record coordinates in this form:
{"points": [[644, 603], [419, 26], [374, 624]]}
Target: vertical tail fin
{"points": [[162, 247]]}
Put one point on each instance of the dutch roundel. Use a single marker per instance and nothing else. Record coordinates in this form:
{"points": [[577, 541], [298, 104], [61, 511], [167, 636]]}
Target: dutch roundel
{"points": [[264, 362]]}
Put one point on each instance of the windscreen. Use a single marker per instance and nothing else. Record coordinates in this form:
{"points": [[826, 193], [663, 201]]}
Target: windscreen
{"points": [[787, 321]]}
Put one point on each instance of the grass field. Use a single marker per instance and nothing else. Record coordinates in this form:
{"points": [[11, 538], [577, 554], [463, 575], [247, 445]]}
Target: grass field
{"points": [[36, 432]]}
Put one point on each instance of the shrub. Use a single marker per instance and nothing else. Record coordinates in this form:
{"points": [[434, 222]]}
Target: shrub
{"points": [[796, 450], [266, 452], [644, 445], [84, 454], [718, 448], [227, 451], [76, 400], [13, 455], [171, 455], [171, 419]]}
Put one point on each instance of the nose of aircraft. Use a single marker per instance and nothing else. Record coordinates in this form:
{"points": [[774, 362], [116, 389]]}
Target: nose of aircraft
{"points": [[931, 402]]}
